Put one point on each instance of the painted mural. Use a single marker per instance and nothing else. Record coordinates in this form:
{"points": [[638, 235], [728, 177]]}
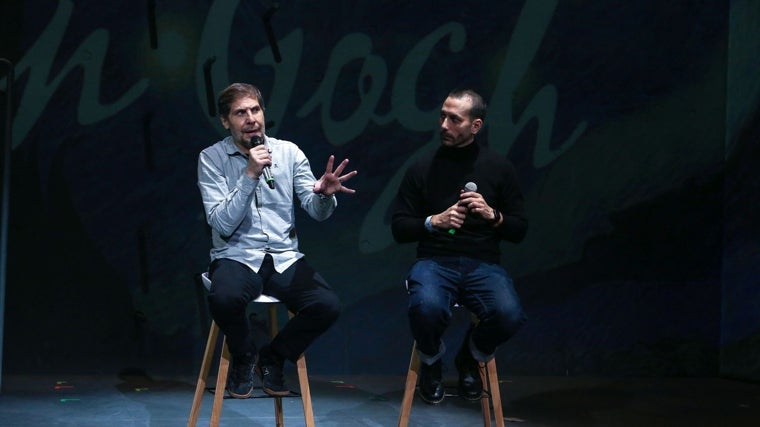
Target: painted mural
{"points": [[617, 116]]}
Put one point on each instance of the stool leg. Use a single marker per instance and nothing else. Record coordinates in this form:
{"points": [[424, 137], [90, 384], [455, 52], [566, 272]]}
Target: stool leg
{"points": [[303, 382], [279, 422], [484, 403], [411, 383], [303, 378], [273, 329], [493, 388], [200, 386], [221, 384]]}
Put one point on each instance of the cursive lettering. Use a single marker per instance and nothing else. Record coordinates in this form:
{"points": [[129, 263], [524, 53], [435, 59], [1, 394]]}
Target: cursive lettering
{"points": [[38, 63], [372, 79], [526, 37]]}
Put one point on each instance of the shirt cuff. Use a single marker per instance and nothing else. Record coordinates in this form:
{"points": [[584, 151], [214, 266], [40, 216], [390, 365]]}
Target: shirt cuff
{"points": [[429, 224]]}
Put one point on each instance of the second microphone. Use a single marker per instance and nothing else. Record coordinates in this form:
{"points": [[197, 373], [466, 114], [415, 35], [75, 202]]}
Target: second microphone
{"points": [[256, 140], [470, 186]]}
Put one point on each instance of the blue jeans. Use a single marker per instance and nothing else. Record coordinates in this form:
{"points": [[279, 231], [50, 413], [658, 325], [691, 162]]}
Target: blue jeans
{"points": [[436, 284]]}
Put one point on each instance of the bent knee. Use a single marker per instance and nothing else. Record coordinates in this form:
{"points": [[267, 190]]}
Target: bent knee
{"points": [[326, 311], [510, 318], [429, 313]]}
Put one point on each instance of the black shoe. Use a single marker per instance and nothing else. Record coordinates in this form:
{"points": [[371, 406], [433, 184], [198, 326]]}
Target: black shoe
{"points": [[470, 382], [240, 379], [431, 382], [269, 370]]}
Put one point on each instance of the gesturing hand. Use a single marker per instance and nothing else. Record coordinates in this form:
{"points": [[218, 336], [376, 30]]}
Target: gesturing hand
{"points": [[331, 181]]}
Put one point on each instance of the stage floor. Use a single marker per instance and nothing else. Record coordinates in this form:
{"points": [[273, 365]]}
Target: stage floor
{"points": [[138, 400]]}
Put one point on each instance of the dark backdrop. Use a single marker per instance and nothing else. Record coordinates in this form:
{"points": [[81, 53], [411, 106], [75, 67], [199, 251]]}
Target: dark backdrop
{"points": [[634, 126]]}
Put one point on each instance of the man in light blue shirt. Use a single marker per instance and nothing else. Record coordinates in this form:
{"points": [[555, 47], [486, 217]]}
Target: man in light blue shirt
{"points": [[248, 182]]}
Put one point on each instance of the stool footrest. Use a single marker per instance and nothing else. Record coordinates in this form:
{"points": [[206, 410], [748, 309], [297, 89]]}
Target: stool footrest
{"points": [[262, 395]]}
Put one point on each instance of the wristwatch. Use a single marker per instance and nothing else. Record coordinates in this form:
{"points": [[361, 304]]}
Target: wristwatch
{"points": [[496, 216]]}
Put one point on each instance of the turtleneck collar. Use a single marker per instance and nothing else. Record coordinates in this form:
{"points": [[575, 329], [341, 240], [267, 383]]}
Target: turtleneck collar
{"points": [[467, 151]]}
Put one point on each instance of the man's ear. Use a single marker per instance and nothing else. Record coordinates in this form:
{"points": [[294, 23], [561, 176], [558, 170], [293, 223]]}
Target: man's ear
{"points": [[225, 123], [476, 125]]}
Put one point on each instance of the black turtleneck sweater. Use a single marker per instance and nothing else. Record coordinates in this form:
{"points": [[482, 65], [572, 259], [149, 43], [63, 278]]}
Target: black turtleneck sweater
{"points": [[432, 184]]}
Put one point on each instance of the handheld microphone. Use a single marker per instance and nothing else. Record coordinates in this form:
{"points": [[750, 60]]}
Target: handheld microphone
{"points": [[256, 140], [470, 186]]}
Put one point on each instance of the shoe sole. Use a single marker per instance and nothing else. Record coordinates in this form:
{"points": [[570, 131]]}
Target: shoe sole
{"points": [[241, 396], [431, 401], [276, 393]]}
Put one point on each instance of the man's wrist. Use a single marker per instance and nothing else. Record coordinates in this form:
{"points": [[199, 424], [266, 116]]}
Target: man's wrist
{"points": [[496, 217]]}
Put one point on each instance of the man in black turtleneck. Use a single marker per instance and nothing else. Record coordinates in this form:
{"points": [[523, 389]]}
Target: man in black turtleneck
{"points": [[458, 229]]}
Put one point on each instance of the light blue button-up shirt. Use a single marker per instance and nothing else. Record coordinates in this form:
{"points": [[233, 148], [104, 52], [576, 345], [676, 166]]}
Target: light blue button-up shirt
{"points": [[248, 219]]}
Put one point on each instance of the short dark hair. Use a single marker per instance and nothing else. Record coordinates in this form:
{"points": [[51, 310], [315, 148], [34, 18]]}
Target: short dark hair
{"points": [[234, 92], [479, 106]]}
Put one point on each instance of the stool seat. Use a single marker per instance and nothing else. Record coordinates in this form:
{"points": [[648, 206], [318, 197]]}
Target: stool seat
{"points": [[224, 365], [265, 299]]}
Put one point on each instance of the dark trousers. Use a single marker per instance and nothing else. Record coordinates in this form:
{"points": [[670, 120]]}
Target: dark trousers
{"points": [[302, 290]]}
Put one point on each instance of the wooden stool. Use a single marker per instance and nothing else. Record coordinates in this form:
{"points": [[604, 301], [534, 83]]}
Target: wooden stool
{"points": [[491, 395], [224, 365]]}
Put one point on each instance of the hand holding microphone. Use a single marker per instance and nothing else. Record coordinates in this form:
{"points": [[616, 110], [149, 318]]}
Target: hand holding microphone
{"points": [[470, 186], [267, 172]]}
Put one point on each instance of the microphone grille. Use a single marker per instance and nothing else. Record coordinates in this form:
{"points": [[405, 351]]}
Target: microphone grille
{"points": [[471, 186]]}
